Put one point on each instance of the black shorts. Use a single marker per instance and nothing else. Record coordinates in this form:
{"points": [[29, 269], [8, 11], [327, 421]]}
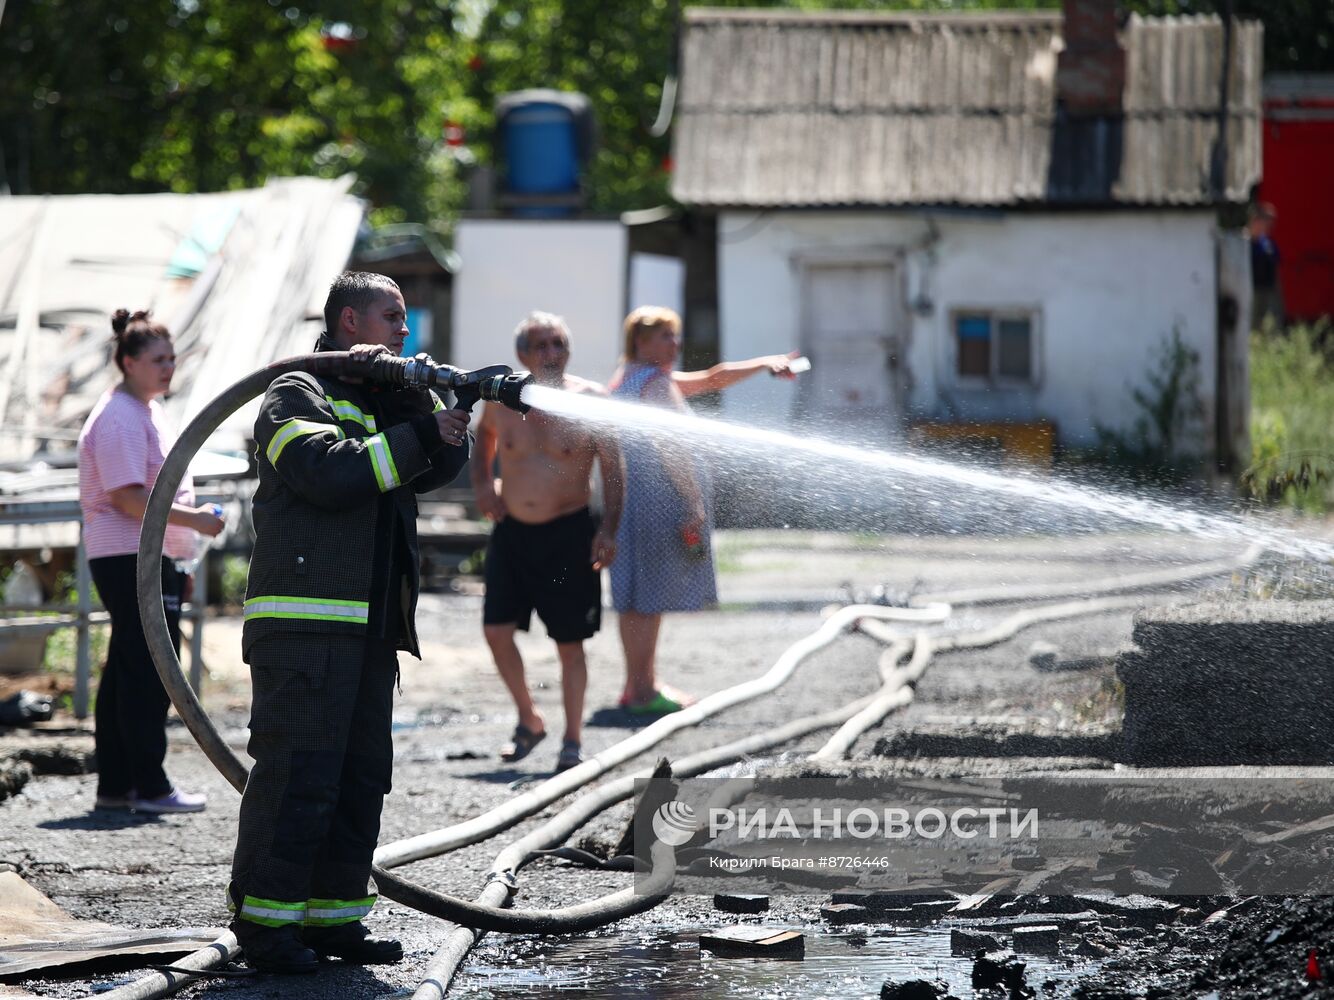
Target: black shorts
{"points": [[547, 568]]}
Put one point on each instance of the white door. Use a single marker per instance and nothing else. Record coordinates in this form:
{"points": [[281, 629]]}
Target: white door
{"points": [[851, 316]]}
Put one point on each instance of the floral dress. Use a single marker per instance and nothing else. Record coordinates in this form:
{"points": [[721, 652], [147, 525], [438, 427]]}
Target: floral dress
{"points": [[654, 570]]}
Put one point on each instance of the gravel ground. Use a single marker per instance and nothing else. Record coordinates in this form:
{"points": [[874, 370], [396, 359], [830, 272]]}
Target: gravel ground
{"points": [[453, 714]]}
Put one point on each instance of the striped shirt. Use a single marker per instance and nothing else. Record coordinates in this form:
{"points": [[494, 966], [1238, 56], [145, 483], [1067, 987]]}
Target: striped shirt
{"points": [[124, 443]]}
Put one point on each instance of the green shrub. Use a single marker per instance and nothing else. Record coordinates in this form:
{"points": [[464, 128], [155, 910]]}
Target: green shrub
{"points": [[1292, 417], [235, 572], [1169, 410]]}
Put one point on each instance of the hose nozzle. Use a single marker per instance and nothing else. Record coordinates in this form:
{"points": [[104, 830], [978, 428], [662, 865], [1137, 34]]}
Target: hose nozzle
{"points": [[507, 389], [495, 383]]}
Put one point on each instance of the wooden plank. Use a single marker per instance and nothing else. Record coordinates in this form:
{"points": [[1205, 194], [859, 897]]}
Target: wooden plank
{"points": [[978, 899], [750, 940], [1314, 826]]}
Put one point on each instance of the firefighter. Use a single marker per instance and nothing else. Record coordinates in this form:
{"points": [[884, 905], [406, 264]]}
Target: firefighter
{"points": [[330, 600]]}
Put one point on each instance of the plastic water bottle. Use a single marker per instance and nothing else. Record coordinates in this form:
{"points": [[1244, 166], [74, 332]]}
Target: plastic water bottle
{"points": [[202, 542], [796, 366]]}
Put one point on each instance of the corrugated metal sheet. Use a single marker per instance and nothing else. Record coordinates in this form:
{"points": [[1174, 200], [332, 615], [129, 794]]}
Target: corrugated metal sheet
{"points": [[233, 275], [782, 108]]}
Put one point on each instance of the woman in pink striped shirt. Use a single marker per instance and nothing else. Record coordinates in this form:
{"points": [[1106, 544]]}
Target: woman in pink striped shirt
{"points": [[121, 448]]}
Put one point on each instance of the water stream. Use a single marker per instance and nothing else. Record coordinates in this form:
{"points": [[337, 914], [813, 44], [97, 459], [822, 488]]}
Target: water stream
{"points": [[828, 473]]}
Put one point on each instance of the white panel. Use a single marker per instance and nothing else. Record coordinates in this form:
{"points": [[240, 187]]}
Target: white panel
{"points": [[656, 280], [848, 339], [1108, 289], [513, 267]]}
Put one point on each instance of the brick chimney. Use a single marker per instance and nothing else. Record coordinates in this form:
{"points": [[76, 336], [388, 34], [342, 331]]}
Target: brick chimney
{"points": [[1091, 69]]}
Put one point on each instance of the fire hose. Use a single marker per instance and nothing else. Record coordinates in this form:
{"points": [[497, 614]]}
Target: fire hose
{"points": [[497, 383]]}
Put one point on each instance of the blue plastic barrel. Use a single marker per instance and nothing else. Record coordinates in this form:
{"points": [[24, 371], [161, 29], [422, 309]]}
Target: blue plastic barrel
{"points": [[541, 152], [546, 137]]}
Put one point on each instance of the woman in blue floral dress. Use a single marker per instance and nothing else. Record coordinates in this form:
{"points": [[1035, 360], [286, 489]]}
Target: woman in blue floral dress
{"points": [[664, 551]]}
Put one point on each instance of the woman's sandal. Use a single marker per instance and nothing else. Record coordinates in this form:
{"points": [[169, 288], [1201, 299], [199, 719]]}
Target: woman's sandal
{"points": [[662, 703], [521, 743]]}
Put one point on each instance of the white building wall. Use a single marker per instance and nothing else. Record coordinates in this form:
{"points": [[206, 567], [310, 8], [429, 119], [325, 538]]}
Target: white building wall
{"points": [[512, 267], [1108, 289]]}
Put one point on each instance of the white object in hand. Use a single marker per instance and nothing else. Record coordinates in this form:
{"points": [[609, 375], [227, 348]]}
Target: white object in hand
{"points": [[798, 365]]}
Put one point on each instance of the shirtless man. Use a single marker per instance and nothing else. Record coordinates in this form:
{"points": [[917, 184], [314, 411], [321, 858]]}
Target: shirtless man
{"points": [[546, 551]]}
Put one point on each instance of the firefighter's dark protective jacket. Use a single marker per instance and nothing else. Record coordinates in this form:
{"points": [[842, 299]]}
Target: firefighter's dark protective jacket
{"points": [[335, 512]]}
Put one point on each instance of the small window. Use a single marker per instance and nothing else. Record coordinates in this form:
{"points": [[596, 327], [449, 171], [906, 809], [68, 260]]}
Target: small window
{"points": [[994, 346]]}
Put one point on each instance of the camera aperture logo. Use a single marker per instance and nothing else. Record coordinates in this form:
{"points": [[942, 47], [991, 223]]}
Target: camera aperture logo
{"points": [[675, 823]]}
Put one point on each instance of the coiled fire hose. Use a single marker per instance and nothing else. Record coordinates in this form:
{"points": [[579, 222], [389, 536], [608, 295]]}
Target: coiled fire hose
{"points": [[497, 383]]}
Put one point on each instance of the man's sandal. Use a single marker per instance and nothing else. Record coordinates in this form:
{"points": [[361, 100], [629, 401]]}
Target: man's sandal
{"points": [[571, 755], [521, 743]]}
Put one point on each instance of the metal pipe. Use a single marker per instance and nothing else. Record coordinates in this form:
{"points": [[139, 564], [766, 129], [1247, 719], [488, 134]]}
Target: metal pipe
{"points": [[83, 662]]}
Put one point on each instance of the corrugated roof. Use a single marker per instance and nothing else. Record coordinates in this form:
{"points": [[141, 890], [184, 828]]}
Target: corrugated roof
{"points": [[233, 275], [782, 108]]}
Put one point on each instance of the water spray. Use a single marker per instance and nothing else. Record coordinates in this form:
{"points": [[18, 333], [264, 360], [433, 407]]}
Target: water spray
{"points": [[843, 469]]}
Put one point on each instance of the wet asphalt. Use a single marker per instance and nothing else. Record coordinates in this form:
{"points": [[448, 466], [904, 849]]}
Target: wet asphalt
{"points": [[453, 714]]}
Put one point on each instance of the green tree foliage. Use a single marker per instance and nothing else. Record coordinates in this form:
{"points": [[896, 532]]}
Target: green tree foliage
{"points": [[619, 54], [1292, 417], [205, 95]]}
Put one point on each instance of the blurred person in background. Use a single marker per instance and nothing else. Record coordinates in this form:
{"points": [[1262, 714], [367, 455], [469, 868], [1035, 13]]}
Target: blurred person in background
{"points": [[1267, 291], [121, 448], [665, 552]]}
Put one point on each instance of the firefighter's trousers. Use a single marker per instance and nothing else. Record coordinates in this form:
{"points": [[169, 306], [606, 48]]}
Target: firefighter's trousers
{"points": [[320, 735]]}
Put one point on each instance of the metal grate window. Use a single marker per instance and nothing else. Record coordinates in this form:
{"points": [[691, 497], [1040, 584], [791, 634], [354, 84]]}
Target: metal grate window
{"points": [[995, 346]]}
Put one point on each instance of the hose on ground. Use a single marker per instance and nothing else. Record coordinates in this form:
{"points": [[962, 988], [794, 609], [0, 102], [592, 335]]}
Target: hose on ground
{"points": [[1151, 580], [484, 915], [856, 718], [197, 720], [444, 964], [149, 592], [493, 821], [161, 982]]}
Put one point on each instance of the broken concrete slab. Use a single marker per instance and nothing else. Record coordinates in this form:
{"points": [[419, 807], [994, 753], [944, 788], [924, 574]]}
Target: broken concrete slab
{"points": [[1136, 910], [1012, 740], [965, 941], [845, 913], [886, 899], [1230, 682], [914, 989], [1001, 969], [1039, 939], [740, 902]]}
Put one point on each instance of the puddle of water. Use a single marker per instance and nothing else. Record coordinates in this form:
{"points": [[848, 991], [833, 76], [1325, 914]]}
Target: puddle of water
{"points": [[845, 964]]}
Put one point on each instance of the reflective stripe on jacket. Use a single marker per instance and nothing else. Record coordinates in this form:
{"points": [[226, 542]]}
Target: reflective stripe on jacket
{"points": [[340, 465]]}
